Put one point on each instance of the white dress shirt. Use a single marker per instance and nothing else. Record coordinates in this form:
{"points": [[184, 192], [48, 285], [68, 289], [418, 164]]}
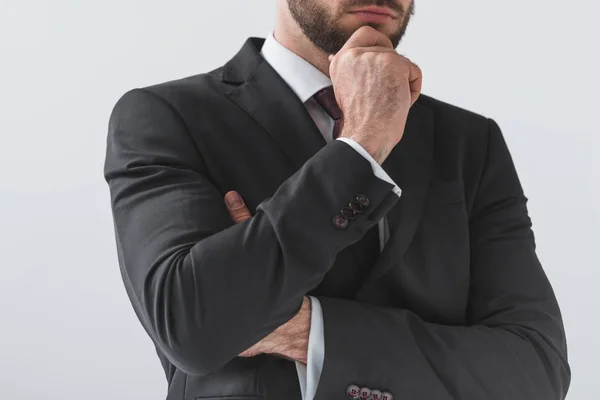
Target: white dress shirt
{"points": [[306, 80]]}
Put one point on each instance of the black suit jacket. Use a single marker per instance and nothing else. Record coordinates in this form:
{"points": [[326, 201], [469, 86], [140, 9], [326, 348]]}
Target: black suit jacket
{"points": [[457, 306]]}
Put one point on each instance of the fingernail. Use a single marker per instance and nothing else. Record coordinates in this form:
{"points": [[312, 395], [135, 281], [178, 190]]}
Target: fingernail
{"points": [[233, 201]]}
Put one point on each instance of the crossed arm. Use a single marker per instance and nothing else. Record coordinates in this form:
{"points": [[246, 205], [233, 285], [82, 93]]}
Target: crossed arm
{"points": [[290, 340], [512, 348]]}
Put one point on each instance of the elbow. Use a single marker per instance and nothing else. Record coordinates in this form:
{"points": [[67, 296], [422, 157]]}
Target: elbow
{"points": [[558, 374], [558, 371], [175, 320], [189, 347], [562, 376], [188, 358], [553, 373]]}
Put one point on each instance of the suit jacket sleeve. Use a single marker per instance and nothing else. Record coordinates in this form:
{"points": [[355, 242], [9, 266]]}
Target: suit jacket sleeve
{"points": [[206, 289], [513, 346]]}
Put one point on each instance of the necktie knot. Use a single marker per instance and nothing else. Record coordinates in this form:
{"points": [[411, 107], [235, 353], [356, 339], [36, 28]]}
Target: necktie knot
{"points": [[326, 99]]}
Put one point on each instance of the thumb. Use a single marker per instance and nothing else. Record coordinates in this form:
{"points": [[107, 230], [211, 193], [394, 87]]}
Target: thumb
{"points": [[237, 209]]}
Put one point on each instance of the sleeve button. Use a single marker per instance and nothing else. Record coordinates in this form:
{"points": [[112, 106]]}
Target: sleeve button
{"points": [[386, 396], [365, 393], [363, 200], [353, 392], [355, 206], [348, 213], [376, 395], [340, 222]]}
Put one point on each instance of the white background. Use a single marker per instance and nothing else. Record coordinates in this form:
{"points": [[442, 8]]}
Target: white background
{"points": [[67, 330]]}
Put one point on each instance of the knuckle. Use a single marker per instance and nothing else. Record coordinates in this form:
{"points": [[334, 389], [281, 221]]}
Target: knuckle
{"points": [[348, 55], [354, 52], [388, 57], [405, 60]]}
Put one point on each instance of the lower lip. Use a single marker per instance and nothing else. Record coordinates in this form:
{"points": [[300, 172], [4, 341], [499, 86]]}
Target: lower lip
{"points": [[373, 17]]}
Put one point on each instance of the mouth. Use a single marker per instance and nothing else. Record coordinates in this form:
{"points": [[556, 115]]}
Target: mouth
{"points": [[374, 14]]}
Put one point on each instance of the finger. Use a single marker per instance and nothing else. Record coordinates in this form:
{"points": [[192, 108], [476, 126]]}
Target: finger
{"points": [[374, 49], [367, 36], [360, 50], [237, 209], [415, 75], [416, 82]]}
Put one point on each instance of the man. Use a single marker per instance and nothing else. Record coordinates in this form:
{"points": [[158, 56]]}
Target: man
{"points": [[374, 242]]}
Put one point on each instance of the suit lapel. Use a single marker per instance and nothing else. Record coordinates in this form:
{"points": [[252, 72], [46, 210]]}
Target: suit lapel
{"points": [[265, 96]]}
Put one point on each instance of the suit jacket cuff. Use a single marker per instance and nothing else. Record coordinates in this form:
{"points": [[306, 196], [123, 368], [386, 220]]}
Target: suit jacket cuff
{"points": [[377, 169]]}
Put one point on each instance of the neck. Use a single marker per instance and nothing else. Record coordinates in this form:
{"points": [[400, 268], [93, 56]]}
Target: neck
{"points": [[293, 39]]}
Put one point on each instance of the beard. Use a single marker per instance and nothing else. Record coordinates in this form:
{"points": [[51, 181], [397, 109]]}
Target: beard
{"points": [[321, 29]]}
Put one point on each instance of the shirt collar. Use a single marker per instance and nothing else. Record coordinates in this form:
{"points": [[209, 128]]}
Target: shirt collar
{"points": [[300, 75]]}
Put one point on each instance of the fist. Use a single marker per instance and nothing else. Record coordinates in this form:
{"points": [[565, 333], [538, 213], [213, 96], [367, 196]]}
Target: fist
{"points": [[375, 88]]}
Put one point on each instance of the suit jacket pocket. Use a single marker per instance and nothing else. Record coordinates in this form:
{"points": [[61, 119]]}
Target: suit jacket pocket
{"points": [[445, 193]]}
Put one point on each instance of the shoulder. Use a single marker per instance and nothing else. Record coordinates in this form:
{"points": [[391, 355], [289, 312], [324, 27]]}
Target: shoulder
{"points": [[195, 94], [452, 123], [199, 83], [451, 114], [461, 138], [205, 87]]}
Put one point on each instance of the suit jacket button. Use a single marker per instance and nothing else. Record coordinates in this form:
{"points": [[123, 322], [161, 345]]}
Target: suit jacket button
{"points": [[340, 222], [376, 395], [353, 392], [365, 393], [348, 213], [386, 396], [363, 200], [355, 206]]}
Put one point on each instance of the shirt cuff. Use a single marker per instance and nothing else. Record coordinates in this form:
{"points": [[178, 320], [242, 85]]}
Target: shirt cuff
{"points": [[309, 374], [377, 169]]}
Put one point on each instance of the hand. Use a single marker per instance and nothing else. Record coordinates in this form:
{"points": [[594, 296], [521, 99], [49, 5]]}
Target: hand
{"points": [[375, 88], [290, 340]]}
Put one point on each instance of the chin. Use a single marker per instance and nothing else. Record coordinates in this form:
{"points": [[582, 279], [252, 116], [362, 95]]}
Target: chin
{"points": [[387, 28]]}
